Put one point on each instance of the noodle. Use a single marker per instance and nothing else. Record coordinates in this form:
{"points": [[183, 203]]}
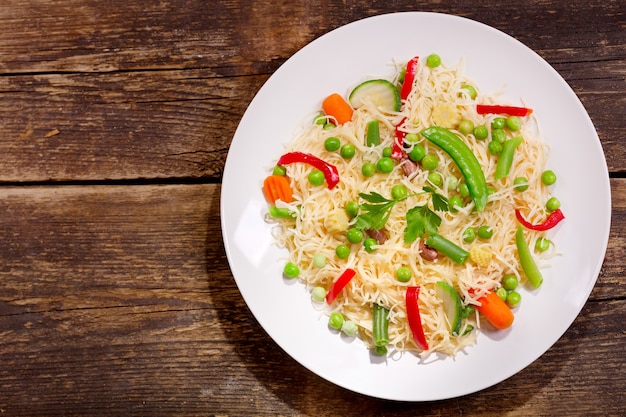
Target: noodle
{"points": [[435, 90]]}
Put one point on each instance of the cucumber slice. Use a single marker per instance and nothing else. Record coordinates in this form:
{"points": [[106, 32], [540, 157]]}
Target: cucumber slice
{"points": [[451, 305], [381, 93]]}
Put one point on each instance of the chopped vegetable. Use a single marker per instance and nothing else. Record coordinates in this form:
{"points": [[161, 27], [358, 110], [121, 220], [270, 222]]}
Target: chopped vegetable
{"points": [[413, 317], [335, 320], [336, 221], [291, 270], [276, 187], [330, 171], [451, 250], [447, 115], [465, 159], [338, 108], [451, 305], [398, 143], [281, 213], [552, 220], [373, 133], [339, 285], [505, 161], [380, 327], [381, 93], [526, 260], [349, 328], [409, 78], [495, 310], [497, 109], [480, 255]]}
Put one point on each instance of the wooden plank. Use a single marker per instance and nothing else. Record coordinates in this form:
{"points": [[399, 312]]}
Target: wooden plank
{"points": [[119, 299]]}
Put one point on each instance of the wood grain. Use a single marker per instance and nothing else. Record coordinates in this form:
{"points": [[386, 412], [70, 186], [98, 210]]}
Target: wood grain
{"points": [[117, 297]]}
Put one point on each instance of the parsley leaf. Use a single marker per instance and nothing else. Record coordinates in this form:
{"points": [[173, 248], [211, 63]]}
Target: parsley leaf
{"points": [[419, 220], [440, 202], [375, 212]]}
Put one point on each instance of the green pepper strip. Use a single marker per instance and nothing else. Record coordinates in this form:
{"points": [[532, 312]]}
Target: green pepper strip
{"points": [[451, 250], [380, 327], [465, 159], [526, 260], [505, 160], [373, 133]]}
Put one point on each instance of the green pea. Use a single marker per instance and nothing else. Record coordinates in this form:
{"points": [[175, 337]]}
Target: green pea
{"points": [[510, 282], [399, 192], [352, 208], [498, 123], [498, 135], [513, 299], [318, 294], [385, 165], [469, 235], [548, 177], [417, 153], [435, 179], [513, 123], [553, 203], [368, 169], [521, 184], [433, 60], [471, 90], [320, 119], [412, 138], [335, 320], [354, 235], [387, 151], [332, 144], [494, 147], [502, 293], [481, 132], [452, 183], [466, 127], [464, 190], [279, 170], [319, 260], [369, 244], [347, 151], [403, 274], [455, 203], [316, 177], [467, 311], [342, 251], [542, 244], [485, 232], [430, 162], [291, 270], [329, 126]]}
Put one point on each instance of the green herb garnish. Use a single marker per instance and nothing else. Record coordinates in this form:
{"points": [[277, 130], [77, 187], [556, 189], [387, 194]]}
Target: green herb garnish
{"points": [[421, 219]]}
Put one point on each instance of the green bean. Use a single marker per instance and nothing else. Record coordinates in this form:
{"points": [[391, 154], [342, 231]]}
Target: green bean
{"points": [[451, 250], [281, 213], [373, 133], [505, 161], [465, 159], [380, 326], [526, 260]]}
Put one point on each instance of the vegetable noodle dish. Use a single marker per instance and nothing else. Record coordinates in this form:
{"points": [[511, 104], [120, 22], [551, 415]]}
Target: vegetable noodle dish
{"points": [[416, 209]]}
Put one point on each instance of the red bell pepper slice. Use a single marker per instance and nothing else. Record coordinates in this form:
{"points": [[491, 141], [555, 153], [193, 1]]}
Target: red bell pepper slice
{"points": [[552, 220], [330, 171], [397, 151], [413, 316], [339, 285], [497, 109], [409, 77]]}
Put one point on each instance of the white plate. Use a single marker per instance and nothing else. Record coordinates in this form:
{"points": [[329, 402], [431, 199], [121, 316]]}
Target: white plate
{"points": [[336, 61]]}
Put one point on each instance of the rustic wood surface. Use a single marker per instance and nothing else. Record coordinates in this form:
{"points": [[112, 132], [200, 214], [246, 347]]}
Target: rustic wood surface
{"points": [[116, 296]]}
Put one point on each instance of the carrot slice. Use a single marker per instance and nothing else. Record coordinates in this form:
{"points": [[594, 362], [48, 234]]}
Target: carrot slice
{"points": [[277, 187], [496, 311], [336, 106]]}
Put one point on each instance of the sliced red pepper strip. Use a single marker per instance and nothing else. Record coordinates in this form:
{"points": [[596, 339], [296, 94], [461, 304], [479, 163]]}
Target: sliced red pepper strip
{"points": [[339, 285], [397, 151], [409, 77], [552, 220], [413, 315], [497, 109], [330, 171]]}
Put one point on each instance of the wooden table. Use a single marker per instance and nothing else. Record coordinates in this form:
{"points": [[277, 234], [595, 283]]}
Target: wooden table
{"points": [[116, 295]]}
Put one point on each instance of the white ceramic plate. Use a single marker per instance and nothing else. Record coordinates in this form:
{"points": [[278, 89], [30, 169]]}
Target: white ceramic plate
{"points": [[336, 61]]}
